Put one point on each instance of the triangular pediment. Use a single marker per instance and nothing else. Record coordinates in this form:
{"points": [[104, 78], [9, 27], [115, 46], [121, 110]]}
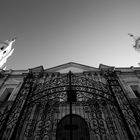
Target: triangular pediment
{"points": [[73, 67]]}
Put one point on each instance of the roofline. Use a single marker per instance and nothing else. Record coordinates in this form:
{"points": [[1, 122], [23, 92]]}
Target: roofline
{"points": [[69, 63]]}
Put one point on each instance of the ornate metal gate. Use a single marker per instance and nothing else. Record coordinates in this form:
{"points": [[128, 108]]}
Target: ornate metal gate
{"points": [[45, 99]]}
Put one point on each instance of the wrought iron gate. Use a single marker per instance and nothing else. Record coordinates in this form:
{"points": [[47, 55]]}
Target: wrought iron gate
{"points": [[45, 99]]}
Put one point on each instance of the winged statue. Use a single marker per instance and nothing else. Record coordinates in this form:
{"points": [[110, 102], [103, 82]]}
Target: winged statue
{"points": [[6, 51], [136, 41]]}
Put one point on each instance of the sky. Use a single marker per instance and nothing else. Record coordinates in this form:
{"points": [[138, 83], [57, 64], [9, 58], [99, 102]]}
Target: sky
{"points": [[54, 32]]}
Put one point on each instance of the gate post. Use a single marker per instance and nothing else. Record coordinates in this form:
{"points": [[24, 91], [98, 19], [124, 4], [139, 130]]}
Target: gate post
{"points": [[124, 107], [17, 108]]}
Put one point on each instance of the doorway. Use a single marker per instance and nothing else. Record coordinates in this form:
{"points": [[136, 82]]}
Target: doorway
{"points": [[78, 129]]}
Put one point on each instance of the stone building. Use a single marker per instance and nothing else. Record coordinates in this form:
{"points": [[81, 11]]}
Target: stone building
{"points": [[70, 102]]}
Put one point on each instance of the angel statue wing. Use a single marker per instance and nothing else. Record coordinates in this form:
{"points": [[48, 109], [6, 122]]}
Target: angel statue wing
{"points": [[6, 51]]}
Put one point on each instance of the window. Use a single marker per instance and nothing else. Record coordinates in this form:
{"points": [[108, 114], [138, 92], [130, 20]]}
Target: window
{"points": [[6, 94], [136, 90]]}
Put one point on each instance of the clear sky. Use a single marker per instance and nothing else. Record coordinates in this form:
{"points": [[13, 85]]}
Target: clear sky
{"points": [[54, 32]]}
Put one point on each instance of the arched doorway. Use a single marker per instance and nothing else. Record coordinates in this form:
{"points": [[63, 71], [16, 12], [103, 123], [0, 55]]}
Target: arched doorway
{"points": [[78, 127]]}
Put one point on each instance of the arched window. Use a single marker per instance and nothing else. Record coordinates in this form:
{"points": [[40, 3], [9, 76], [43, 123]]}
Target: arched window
{"points": [[78, 129]]}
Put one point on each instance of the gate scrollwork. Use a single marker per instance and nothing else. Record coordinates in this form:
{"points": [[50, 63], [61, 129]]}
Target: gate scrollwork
{"points": [[36, 104]]}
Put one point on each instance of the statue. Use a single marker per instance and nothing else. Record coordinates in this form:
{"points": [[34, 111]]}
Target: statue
{"points": [[5, 51], [137, 41]]}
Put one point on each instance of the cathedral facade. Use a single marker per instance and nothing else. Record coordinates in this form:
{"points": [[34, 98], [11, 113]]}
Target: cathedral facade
{"points": [[70, 102]]}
